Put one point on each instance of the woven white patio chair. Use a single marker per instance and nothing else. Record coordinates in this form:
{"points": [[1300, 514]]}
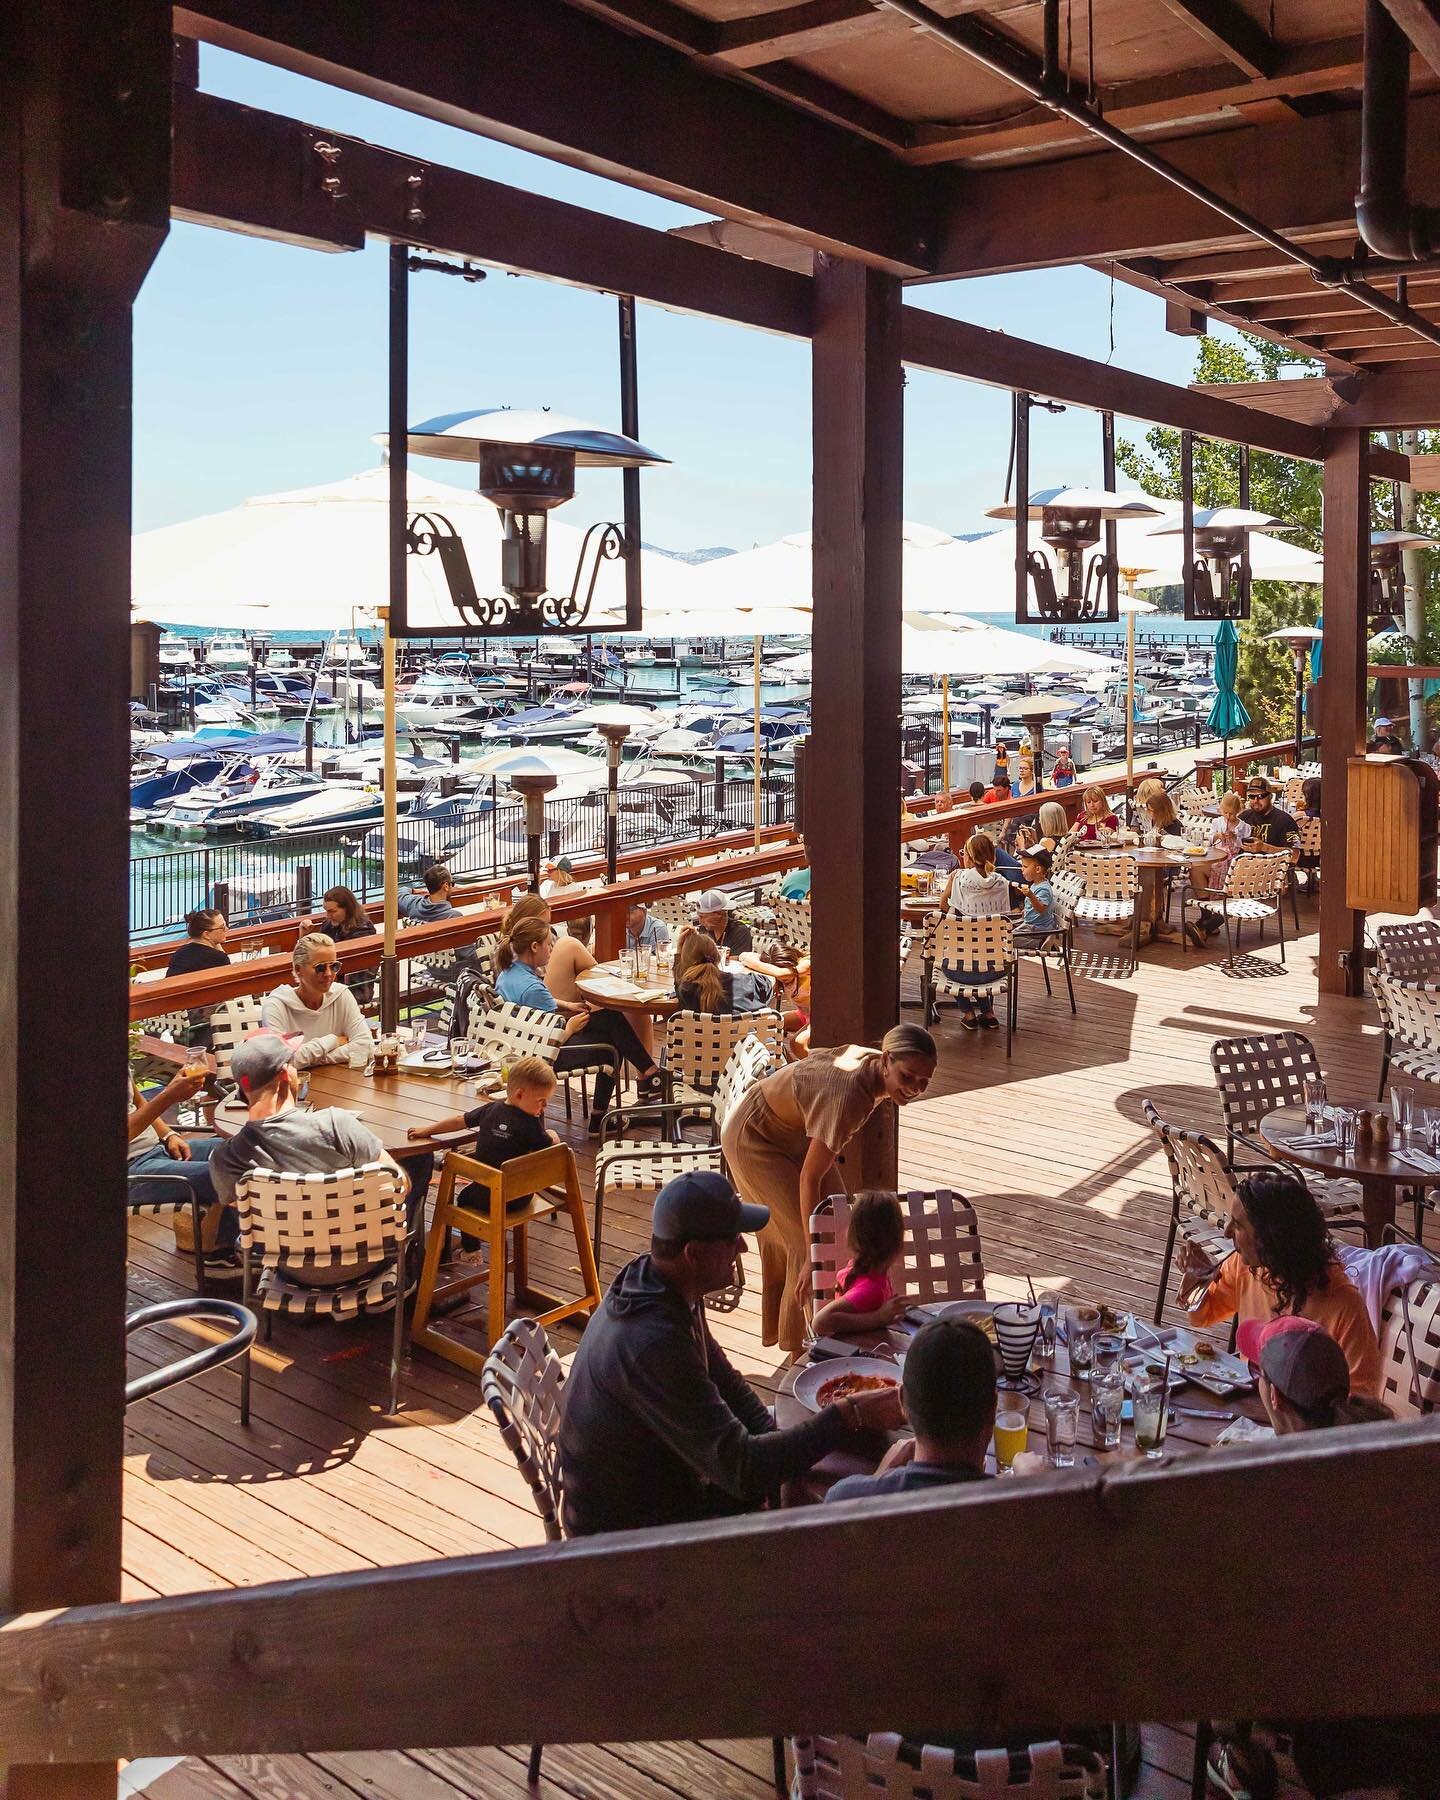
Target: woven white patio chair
{"points": [[632, 1164], [674, 910], [1255, 888], [972, 959], [792, 922], [698, 1046], [841, 1768], [1409, 951], [1109, 892], [1202, 1194], [523, 1384], [1410, 1349], [1410, 1016], [346, 1229], [1256, 1075], [941, 1257]]}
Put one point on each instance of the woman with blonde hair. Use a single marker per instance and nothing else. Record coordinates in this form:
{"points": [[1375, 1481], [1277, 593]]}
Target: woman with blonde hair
{"points": [[1096, 818]]}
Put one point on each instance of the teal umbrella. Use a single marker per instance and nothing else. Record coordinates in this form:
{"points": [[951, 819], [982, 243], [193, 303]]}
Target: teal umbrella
{"points": [[1228, 715]]}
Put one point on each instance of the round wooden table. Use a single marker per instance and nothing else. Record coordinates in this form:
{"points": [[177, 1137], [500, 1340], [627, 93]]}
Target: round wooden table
{"points": [[1381, 1177], [389, 1105], [915, 909], [1154, 863], [1204, 1417], [605, 985]]}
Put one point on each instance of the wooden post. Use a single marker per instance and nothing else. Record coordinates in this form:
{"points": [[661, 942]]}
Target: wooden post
{"points": [[854, 751], [84, 206], [1342, 695]]}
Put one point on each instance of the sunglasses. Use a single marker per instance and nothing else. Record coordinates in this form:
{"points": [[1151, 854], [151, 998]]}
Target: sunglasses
{"points": [[326, 968]]}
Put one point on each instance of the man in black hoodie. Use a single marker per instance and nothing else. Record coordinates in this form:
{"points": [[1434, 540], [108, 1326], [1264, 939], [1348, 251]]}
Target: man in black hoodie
{"points": [[658, 1427]]}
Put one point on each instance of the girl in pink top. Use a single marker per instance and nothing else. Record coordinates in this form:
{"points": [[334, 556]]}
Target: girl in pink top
{"points": [[865, 1299]]}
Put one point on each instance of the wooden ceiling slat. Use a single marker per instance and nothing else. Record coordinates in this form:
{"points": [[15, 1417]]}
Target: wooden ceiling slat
{"points": [[1420, 21], [1415, 350], [793, 31], [1226, 27], [1295, 282]]}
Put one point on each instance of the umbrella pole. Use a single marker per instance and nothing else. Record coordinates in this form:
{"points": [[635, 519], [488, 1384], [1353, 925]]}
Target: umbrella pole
{"points": [[755, 761], [389, 965], [1129, 706], [944, 734]]}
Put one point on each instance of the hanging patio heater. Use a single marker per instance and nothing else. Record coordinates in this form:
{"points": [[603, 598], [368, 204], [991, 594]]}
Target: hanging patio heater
{"points": [[1072, 522], [1216, 565], [1385, 606]]}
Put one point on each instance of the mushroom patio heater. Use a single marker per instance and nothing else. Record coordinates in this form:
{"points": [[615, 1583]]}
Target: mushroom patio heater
{"points": [[533, 771], [614, 724], [1387, 574], [1035, 712], [1299, 640]]}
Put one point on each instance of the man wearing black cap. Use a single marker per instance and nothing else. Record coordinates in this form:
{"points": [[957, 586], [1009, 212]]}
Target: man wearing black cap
{"points": [[1271, 827], [658, 1427]]}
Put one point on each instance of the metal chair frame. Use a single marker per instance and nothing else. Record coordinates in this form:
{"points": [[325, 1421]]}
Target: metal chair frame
{"points": [[982, 954], [845, 1768], [1202, 1193], [1255, 887]]}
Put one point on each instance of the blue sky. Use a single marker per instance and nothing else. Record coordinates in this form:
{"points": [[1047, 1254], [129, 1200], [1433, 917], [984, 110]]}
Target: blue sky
{"points": [[260, 367]]}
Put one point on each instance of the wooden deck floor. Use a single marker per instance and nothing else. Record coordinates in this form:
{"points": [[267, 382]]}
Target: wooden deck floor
{"points": [[1052, 1149]]}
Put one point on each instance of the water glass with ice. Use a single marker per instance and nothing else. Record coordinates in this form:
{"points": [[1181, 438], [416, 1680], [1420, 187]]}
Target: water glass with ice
{"points": [[1345, 1128], [1062, 1414], [1314, 1102], [1401, 1105], [1107, 1398], [1151, 1414], [1081, 1323], [1049, 1304]]}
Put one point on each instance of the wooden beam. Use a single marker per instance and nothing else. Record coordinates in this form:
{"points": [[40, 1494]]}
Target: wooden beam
{"points": [[1420, 21], [1394, 398], [953, 347], [1184, 320], [1299, 177], [1147, 105], [794, 31], [858, 430], [277, 1668], [84, 205], [1292, 283], [1310, 401], [1225, 27], [1342, 695], [253, 171], [554, 80]]}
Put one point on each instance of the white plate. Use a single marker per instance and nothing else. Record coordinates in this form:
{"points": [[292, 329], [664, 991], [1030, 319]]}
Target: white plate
{"points": [[1220, 1374], [974, 1310], [814, 1375]]}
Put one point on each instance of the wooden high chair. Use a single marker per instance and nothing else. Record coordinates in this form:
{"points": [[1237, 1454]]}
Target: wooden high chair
{"points": [[525, 1175]]}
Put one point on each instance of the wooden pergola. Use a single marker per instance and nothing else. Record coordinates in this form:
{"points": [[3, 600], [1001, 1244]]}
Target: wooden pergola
{"points": [[1209, 151]]}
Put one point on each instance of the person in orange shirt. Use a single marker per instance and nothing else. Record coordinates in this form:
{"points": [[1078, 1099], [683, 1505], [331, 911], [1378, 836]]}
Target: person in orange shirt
{"points": [[1283, 1262]]}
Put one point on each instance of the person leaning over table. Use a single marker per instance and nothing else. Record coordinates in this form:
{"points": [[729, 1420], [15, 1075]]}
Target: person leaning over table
{"points": [[1283, 1264], [657, 1426], [783, 1142], [278, 1134], [318, 1009]]}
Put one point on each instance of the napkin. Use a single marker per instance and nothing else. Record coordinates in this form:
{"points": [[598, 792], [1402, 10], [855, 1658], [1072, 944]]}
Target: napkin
{"points": [[1315, 1140], [1418, 1159]]}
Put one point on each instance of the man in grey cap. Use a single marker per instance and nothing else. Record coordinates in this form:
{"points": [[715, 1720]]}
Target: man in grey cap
{"points": [[658, 1427], [280, 1135], [715, 919]]}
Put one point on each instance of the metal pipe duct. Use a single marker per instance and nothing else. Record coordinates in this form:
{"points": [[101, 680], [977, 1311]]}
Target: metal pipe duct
{"points": [[1388, 220]]}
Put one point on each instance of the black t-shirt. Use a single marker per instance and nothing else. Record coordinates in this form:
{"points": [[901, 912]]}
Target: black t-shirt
{"points": [[504, 1132], [1275, 828], [193, 956], [736, 937]]}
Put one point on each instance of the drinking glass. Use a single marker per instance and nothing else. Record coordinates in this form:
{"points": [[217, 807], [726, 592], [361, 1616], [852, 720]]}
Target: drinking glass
{"points": [[1314, 1102], [1107, 1398], [1432, 1129], [1402, 1106], [1012, 1430], [1150, 1414], [1082, 1321], [1017, 1325], [196, 1063], [1345, 1128], [1062, 1414], [1109, 1348], [1049, 1304]]}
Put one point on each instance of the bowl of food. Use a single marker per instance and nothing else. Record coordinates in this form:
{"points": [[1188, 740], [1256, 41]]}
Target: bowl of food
{"points": [[838, 1378]]}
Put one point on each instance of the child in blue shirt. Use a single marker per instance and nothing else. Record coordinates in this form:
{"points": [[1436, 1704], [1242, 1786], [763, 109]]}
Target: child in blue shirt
{"points": [[1039, 895]]}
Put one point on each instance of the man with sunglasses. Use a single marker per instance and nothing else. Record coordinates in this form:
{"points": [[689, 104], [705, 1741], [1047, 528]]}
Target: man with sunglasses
{"points": [[318, 1009], [659, 1427], [1271, 828]]}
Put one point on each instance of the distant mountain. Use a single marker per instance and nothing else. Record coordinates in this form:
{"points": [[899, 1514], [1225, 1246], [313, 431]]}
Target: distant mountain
{"points": [[691, 556]]}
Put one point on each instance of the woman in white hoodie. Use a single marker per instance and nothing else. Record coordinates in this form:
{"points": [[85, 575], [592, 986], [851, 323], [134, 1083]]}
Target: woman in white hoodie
{"points": [[977, 890], [319, 1009]]}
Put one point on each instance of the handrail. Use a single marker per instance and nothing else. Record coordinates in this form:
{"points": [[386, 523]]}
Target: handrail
{"points": [[1255, 753], [199, 1362], [278, 1668]]}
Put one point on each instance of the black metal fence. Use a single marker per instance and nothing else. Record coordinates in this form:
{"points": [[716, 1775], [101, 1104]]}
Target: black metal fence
{"points": [[255, 880]]}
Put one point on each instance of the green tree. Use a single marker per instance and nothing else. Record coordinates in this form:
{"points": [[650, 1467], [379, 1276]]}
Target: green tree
{"points": [[1289, 490]]}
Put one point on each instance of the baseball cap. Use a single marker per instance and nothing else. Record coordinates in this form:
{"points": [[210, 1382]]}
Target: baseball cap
{"points": [[703, 1205], [1383, 721], [1302, 1360], [1257, 784], [259, 1059], [712, 900]]}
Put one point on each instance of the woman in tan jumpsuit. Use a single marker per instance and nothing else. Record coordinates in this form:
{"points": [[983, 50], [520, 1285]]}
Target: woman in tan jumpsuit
{"points": [[784, 1140]]}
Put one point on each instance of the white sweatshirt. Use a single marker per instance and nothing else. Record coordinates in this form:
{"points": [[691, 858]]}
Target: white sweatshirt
{"points": [[322, 1027]]}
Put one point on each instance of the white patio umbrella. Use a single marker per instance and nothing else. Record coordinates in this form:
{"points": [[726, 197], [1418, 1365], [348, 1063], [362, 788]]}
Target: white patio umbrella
{"points": [[306, 559], [781, 574], [534, 771]]}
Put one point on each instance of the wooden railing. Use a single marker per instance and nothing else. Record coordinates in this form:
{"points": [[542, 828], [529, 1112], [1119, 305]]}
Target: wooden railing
{"points": [[1133, 1591]]}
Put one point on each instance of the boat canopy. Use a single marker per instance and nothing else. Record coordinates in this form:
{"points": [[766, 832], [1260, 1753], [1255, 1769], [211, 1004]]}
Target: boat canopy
{"points": [[265, 743]]}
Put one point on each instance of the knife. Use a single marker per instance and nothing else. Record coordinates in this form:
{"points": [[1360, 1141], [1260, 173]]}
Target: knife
{"points": [[1202, 1412]]}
